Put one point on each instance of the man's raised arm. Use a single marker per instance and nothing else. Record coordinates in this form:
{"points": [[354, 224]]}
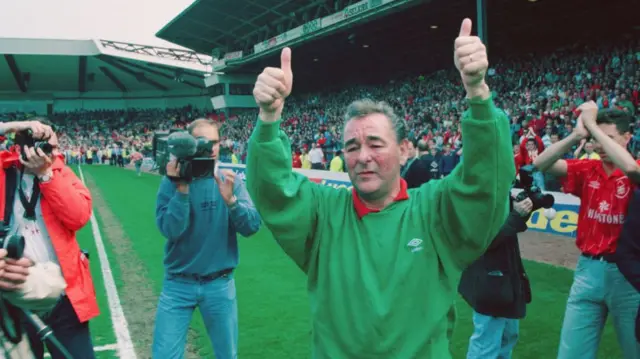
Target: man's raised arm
{"points": [[286, 201], [471, 204]]}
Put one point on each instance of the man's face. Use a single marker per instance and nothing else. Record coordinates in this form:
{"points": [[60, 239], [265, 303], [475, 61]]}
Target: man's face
{"points": [[53, 141], [211, 134], [612, 132], [531, 146], [373, 155], [548, 130], [588, 147], [411, 150]]}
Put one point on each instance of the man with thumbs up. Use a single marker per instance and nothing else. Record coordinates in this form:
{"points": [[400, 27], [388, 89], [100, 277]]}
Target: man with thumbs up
{"points": [[383, 262]]}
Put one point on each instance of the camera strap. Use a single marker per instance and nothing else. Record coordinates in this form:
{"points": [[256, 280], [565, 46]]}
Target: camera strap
{"points": [[11, 179], [29, 205]]}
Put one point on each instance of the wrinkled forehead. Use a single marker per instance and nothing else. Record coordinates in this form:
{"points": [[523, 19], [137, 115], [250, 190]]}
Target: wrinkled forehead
{"points": [[208, 131], [369, 126]]}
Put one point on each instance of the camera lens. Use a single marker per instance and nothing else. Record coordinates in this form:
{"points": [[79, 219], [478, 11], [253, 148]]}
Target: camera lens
{"points": [[46, 147]]}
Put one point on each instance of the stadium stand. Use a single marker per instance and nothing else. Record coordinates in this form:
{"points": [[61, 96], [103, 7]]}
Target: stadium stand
{"points": [[101, 93], [539, 89]]}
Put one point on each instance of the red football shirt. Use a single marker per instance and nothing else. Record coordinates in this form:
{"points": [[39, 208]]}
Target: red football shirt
{"points": [[603, 204]]}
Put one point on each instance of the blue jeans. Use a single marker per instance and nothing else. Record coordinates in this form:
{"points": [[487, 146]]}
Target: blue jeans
{"points": [[493, 337], [598, 289], [180, 296]]}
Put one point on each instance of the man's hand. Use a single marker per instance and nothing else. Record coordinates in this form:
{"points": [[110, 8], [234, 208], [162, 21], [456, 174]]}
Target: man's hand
{"points": [[587, 118], [38, 130], [580, 131], [273, 86], [588, 113], [37, 162], [226, 186], [523, 207], [470, 58], [173, 170], [13, 273]]}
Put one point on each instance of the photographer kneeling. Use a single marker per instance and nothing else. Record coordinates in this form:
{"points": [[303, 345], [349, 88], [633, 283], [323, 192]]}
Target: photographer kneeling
{"points": [[44, 204], [497, 288], [26, 285]]}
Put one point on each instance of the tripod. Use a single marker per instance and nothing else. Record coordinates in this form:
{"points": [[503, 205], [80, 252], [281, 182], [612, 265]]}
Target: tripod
{"points": [[45, 333]]}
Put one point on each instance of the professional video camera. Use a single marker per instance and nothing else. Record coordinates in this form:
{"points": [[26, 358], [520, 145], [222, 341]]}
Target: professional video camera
{"points": [[532, 192], [25, 138], [192, 154]]}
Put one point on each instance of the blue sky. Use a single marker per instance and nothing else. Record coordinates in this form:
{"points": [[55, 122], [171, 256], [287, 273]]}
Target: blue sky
{"points": [[134, 21]]}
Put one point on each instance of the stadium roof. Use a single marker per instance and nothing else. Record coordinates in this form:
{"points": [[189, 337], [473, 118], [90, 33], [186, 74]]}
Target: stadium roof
{"points": [[233, 25], [417, 37], [44, 65]]}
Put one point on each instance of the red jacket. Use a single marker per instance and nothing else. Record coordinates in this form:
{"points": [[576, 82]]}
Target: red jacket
{"points": [[66, 208]]}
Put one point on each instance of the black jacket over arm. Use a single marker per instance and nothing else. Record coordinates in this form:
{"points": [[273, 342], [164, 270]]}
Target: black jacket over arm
{"points": [[496, 284], [416, 174], [628, 250]]}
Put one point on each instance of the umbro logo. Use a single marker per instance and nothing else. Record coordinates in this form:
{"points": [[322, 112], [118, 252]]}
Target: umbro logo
{"points": [[415, 245]]}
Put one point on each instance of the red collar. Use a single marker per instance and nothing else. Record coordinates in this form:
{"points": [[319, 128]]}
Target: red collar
{"points": [[362, 209]]}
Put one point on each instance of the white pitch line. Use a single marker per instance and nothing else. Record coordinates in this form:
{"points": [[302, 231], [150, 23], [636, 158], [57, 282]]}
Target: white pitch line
{"points": [[102, 348], [119, 321]]}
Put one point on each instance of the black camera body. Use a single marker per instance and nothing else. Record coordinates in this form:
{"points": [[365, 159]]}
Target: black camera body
{"points": [[14, 245], [531, 191], [25, 138], [193, 155]]}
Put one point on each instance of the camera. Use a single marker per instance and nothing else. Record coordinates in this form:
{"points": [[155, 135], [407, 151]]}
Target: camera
{"points": [[14, 245], [25, 138], [192, 154], [531, 191]]}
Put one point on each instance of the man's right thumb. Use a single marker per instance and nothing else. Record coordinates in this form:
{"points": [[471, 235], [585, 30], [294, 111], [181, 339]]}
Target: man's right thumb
{"points": [[465, 27], [285, 60]]}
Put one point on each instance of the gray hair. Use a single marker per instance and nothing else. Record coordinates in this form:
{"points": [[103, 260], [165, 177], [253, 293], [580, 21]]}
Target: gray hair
{"points": [[201, 122], [361, 108]]}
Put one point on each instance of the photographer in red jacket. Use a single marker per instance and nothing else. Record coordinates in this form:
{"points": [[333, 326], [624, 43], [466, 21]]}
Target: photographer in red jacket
{"points": [[49, 204]]}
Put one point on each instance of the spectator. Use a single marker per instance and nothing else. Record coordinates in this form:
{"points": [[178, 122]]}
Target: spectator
{"points": [[316, 156], [337, 163]]}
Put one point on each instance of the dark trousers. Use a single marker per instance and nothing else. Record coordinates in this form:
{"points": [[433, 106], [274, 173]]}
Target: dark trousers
{"points": [[73, 335]]}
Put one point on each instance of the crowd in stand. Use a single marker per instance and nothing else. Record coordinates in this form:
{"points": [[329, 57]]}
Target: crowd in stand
{"points": [[540, 94]]}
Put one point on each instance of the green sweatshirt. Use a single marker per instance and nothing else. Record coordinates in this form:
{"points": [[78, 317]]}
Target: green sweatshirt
{"points": [[384, 286]]}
